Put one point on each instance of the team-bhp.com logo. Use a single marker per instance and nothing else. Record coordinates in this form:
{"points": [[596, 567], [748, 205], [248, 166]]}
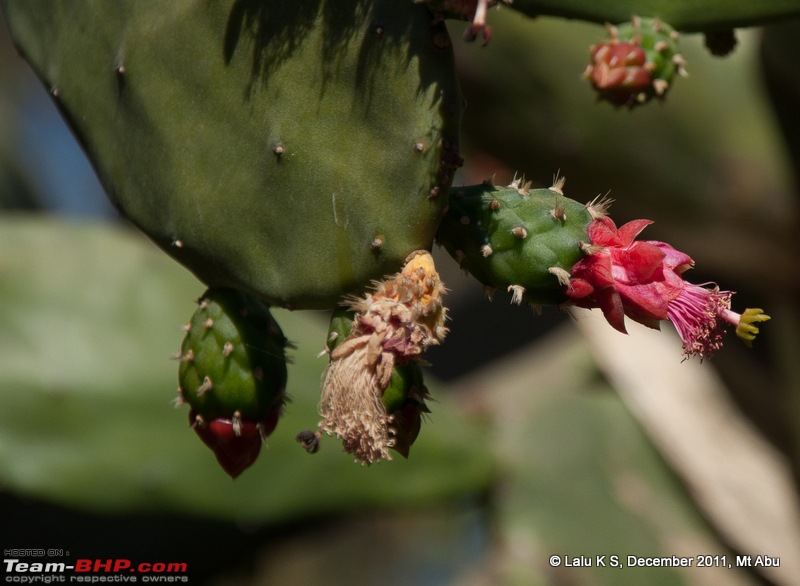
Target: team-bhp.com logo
{"points": [[94, 571]]}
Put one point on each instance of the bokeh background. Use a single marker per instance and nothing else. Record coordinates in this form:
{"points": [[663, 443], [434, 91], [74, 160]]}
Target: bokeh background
{"points": [[550, 435]]}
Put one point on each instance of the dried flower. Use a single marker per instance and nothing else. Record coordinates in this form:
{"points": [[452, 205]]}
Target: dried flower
{"points": [[393, 325]]}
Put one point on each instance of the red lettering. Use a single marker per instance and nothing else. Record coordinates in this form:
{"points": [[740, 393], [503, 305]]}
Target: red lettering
{"points": [[83, 565], [122, 564], [103, 566]]}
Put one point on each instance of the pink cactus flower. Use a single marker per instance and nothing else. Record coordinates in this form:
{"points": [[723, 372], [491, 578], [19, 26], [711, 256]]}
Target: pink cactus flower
{"points": [[643, 280]]}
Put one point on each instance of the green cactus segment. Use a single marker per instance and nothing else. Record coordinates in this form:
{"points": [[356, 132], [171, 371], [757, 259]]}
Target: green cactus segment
{"points": [[233, 358], [516, 239], [684, 15], [404, 397], [638, 62], [294, 150]]}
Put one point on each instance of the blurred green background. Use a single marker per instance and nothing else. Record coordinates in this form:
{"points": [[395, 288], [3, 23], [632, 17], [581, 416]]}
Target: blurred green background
{"points": [[538, 443]]}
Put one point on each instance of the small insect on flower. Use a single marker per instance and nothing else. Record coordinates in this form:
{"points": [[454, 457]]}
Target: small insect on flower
{"points": [[309, 440]]}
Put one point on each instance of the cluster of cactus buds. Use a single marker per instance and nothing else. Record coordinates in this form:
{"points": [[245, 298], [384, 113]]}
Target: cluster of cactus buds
{"points": [[233, 375], [637, 63]]}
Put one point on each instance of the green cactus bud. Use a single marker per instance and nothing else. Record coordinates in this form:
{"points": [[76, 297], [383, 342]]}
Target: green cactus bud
{"points": [[637, 63], [233, 375], [516, 239]]}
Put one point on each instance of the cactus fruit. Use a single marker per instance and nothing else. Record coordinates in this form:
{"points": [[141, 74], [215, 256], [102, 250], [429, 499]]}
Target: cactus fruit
{"points": [[515, 238], [233, 375], [637, 63], [371, 384], [260, 142]]}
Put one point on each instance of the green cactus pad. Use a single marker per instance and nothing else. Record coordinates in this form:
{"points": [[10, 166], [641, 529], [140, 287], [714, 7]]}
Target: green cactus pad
{"points": [[232, 358], [294, 150], [511, 238]]}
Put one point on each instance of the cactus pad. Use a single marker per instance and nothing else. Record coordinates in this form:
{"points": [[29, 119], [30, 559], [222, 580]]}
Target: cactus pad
{"points": [[515, 238], [233, 375], [262, 142]]}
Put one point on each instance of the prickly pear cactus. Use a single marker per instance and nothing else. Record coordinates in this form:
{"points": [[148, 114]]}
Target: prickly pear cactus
{"points": [[233, 375], [262, 142], [516, 238]]}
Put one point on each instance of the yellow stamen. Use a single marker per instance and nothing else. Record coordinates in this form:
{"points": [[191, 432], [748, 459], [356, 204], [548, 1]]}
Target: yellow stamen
{"points": [[746, 330]]}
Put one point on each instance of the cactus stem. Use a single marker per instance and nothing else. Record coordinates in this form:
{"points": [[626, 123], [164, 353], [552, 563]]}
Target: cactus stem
{"points": [[486, 250], [205, 387], [227, 349], [562, 275], [517, 291], [519, 232]]}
